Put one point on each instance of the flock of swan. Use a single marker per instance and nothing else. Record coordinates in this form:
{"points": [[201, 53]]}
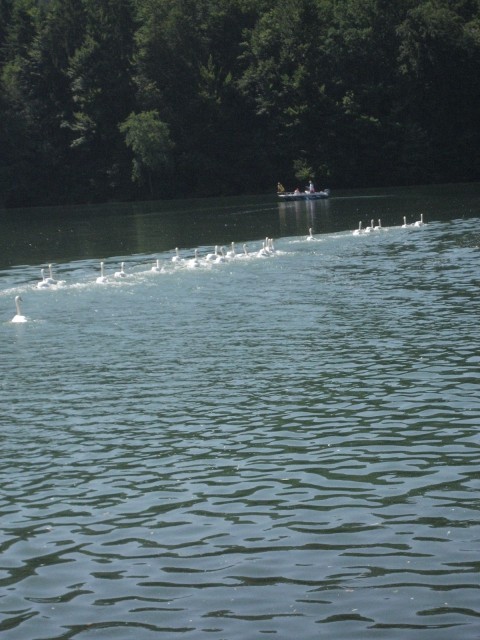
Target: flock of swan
{"points": [[217, 256], [378, 227]]}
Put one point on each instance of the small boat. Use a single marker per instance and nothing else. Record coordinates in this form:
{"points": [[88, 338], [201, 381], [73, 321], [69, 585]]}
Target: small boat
{"points": [[305, 195]]}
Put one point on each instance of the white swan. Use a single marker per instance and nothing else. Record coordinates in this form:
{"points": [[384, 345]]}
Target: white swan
{"points": [[419, 223], [194, 262], [231, 252], [121, 273], [245, 253], [269, 246], [176, 257], [310, 234], [263, 253], [220, 256], [18, 317], [212, 256], [50, 279], [370, 228], [358, 231], [43, 283], [156, 267], [379, 226], [101, 278], [405, 225]]}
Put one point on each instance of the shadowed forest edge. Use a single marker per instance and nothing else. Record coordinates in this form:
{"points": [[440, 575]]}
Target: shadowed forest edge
{"points": [[121, 100]]}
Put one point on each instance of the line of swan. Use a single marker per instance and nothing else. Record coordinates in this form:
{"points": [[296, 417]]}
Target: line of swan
{"points": [[18, 317], [217, 256]]}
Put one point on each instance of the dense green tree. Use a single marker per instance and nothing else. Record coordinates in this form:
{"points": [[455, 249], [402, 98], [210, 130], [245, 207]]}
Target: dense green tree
{"points": [[440, 61], [38, 46], [286, 78], [18, 160], [186, 63], [363, 48], [99, 72], [224, 126], [228, 96], [149, 139]]}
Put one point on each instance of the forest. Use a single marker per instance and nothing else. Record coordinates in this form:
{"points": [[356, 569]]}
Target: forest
{"points": [[126, 100]]}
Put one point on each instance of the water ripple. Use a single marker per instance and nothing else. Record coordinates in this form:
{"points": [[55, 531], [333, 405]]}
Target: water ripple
{"points": [[287, 445]]}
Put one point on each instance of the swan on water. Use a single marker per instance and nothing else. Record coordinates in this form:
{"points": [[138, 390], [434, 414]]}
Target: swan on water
{"points": [[419, 223], [43, 283], [212, 256], [245, 253], [370, 228], [310, 234], [101, 278], [220, 256], [156, 267], [121, 273], [358, 231], [379, 226], [194, 262], [263, 252], [405, 225], [269, 248], [231, 252], [50, 279], [176, 257], [18, 317]]}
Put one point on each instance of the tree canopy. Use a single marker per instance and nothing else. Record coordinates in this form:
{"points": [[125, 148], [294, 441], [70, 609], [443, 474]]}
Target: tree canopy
{"points": [[133, 99]]}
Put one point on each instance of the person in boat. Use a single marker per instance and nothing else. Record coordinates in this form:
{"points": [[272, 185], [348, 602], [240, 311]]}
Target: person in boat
{"points": [[311, 188], [280, 188]]}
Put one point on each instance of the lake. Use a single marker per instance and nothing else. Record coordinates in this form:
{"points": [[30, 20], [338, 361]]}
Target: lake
{"points": [[281, 445]]}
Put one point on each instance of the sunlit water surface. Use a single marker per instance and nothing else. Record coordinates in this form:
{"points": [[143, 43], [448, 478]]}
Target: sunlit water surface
{"points": [[280, 446]]}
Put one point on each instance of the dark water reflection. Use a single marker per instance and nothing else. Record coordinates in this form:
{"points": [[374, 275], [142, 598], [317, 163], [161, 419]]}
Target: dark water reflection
{"points": [[282, 446], [34, 236]]}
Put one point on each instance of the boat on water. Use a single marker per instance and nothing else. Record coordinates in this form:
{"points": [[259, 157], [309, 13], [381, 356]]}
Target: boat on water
{"points": [[304, 195]]}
